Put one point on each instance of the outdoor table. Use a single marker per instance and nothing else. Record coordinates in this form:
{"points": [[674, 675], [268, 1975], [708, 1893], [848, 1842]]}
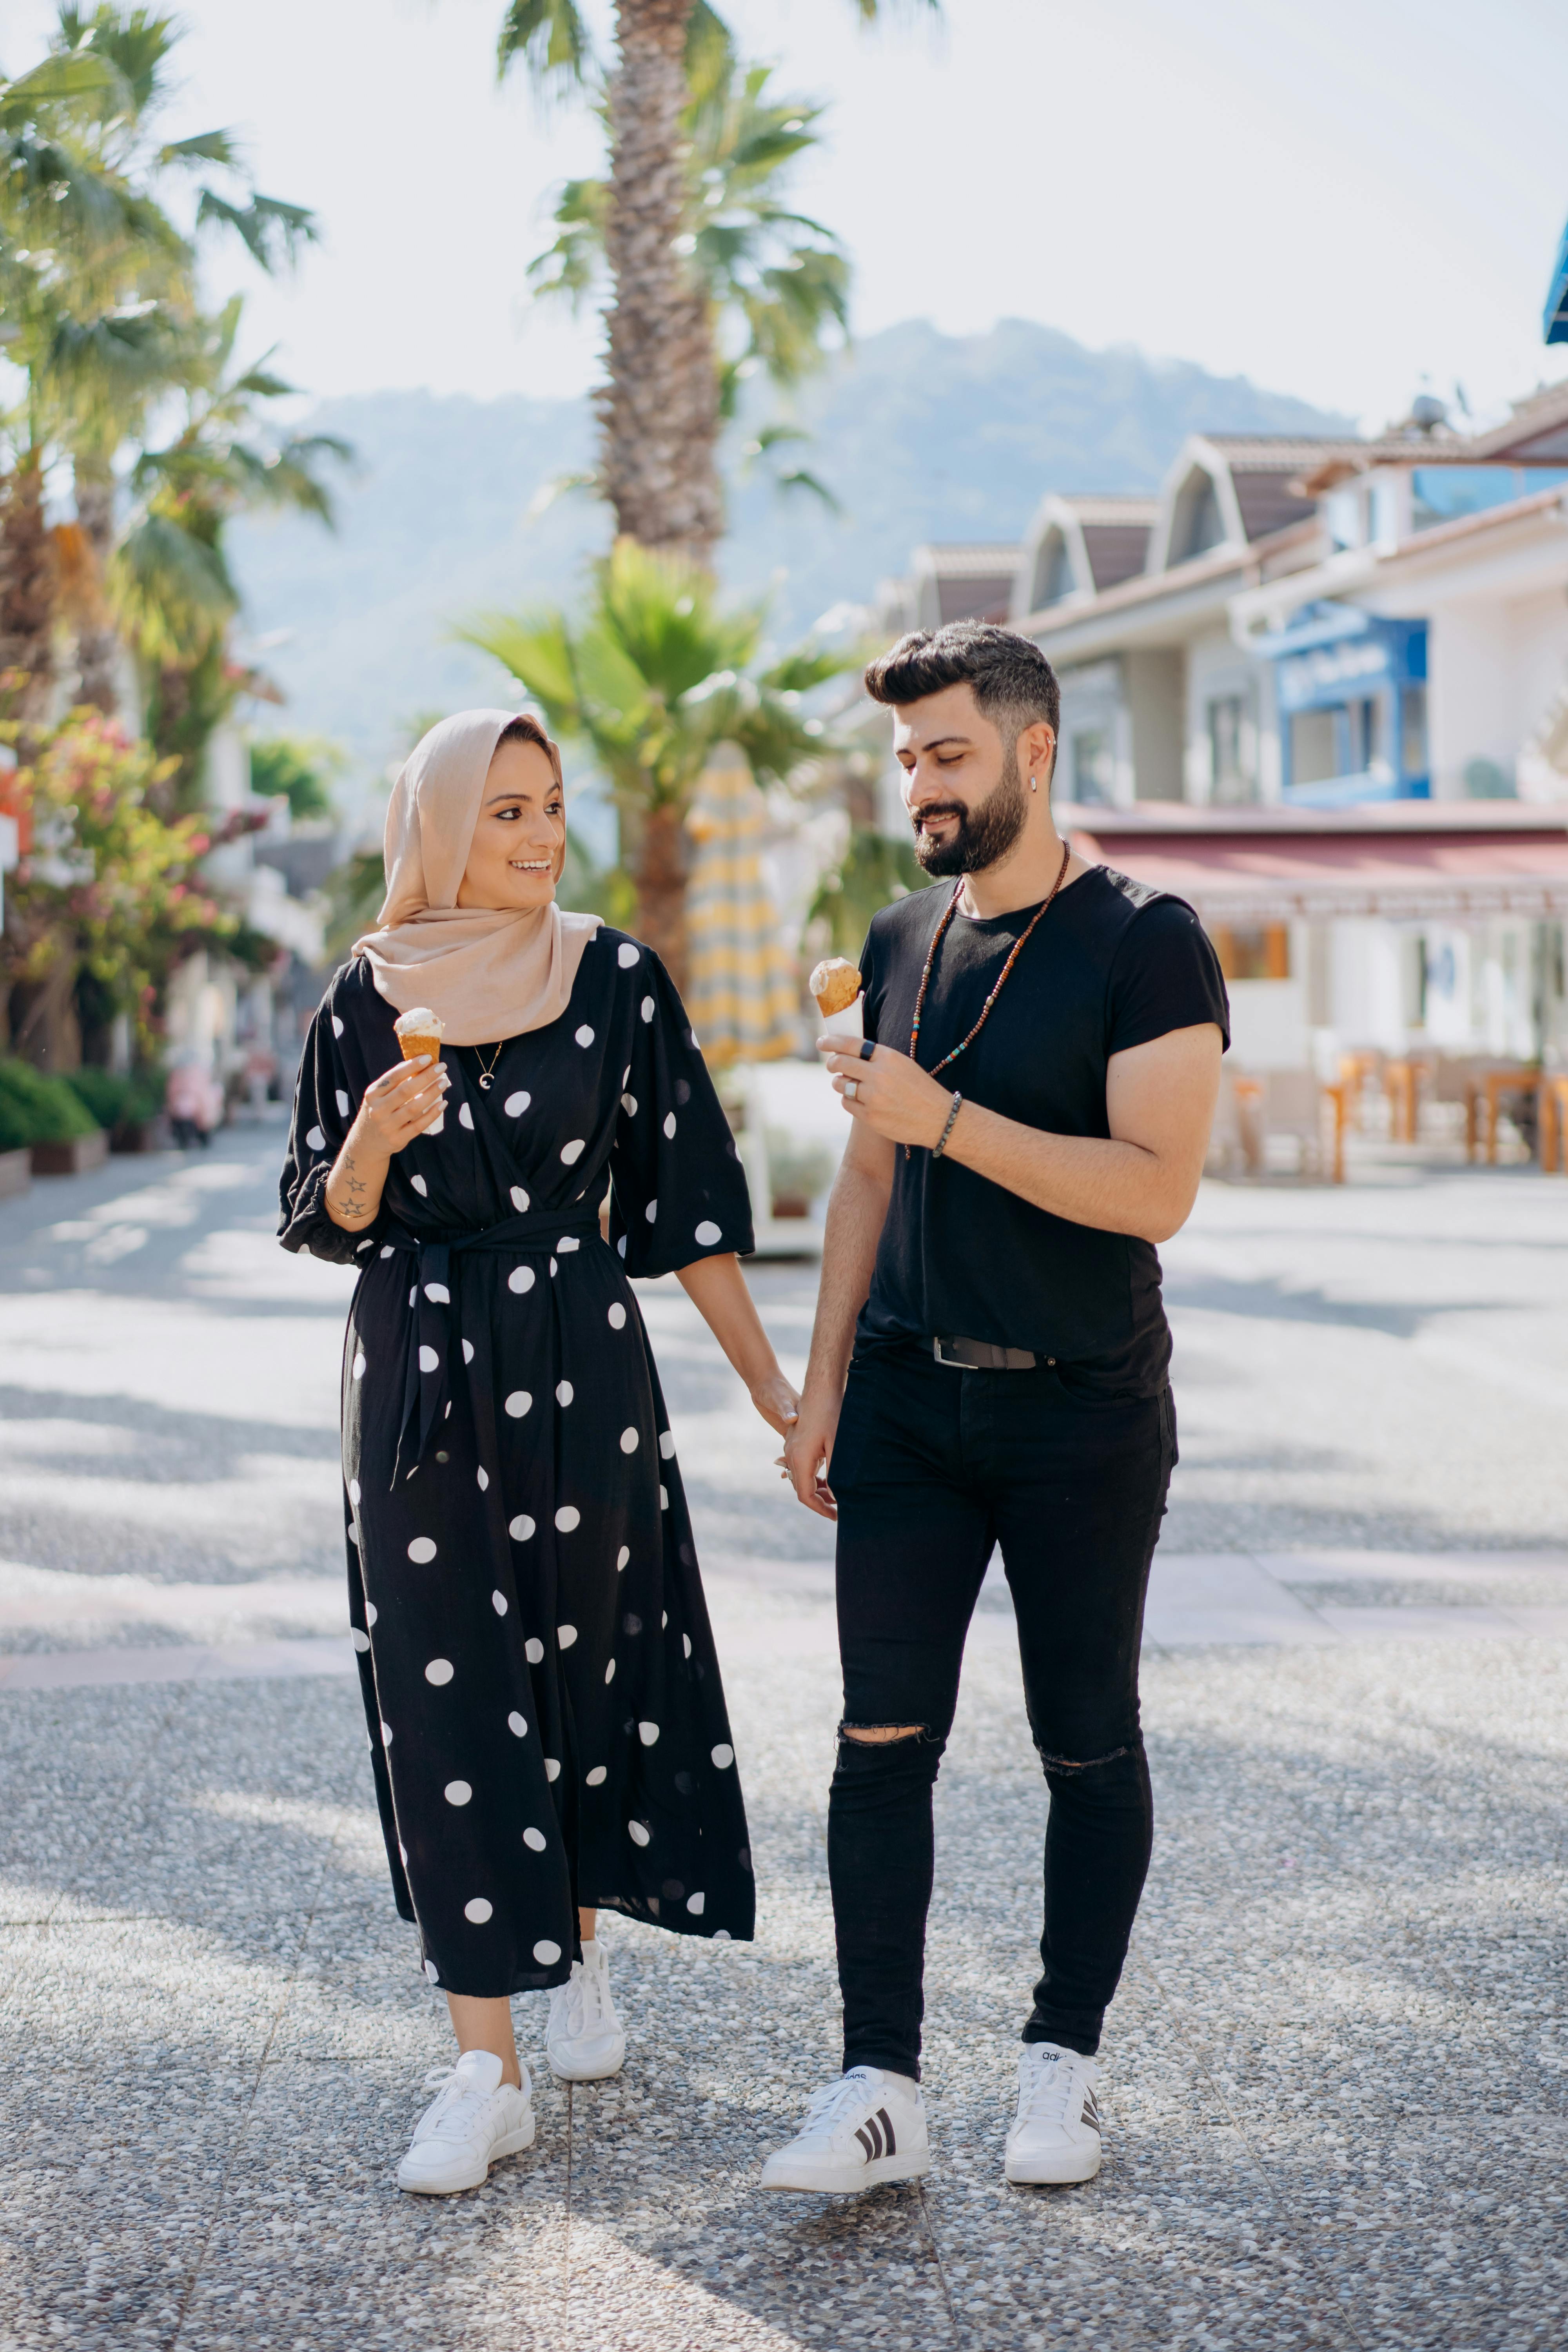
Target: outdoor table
{"points": [[1490, 1086], [1552, 1097]]}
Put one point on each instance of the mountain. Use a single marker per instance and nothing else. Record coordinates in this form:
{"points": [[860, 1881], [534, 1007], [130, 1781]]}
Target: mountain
{"points": [[919, 435]]}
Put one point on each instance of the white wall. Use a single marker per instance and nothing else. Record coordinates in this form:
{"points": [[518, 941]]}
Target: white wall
{"points": [[1366, 985], [1217, 667]]}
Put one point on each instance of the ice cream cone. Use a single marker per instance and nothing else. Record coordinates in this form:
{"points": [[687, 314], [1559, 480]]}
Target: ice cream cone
{"points": [[835, 985], [418, 1032]]}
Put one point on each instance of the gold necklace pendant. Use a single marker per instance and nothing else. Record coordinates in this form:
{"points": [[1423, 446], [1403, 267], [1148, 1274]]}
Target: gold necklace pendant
{"points": [[487, 1077]]}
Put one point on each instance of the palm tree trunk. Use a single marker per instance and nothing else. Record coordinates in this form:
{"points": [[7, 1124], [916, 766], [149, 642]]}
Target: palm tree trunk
{"points": [[26, 586], [661, 877], [659, 412], [97, 643]]}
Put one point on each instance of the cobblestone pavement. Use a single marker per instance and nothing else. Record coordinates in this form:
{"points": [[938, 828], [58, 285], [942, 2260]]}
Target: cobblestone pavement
{"points": [[1334, 2077]]}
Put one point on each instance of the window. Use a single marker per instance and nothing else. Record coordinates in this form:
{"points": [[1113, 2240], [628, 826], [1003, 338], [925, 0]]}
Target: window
{"points": [[1412, 730], [1314, 746], [1231, 766], [1092, 779], [1053, 572], [1200, 524], [1261, 954], [1441, 493], [1342, 512], [1365, 716]]}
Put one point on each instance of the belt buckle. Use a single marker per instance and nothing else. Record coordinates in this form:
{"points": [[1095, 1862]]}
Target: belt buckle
{"points": [[953, 1363]]}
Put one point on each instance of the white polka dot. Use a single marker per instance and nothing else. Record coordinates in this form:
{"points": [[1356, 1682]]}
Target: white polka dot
{"points": [[498, 1602], [465, 1117], [386, 1249], [438, 1293], [517, 1725], [520, 1279], [723, 1756], [629, 1105], [694, 1904], [622, 1556], [598, 1777], [535, 1839], [553, 1768], [515, 1105], [625, 955], [666, 1442], [567, 1243], [617, 1316], [386, 1735], [647, 1008], [354, 1492], [572, 1152], [371, 1612], [483, 1476], [636, 1834], [361, 1640], [420, 1186], [429, 1361], [353, 1538], [651, 1211], [359, 1367], [691, 1041], [337, 1026], [621, 1245], [664, 1498], [522, 1528], [647, 1733], [479, 1910], [546, 1953], [664, 1621], [609, 1670], [439, 1671], [628, 1441], [315, 1140], [567, 1517], [519, 1199], [564, 1391], [552, 1270], [467, 1359], [533, 1651], [625, 1074], [585, 1035], [361, 1245], [432, 1972], [342, 1104], [721, 1934], [422, 1549], [413, 1292], [565, 1635], [457, 1792], [518, 1403], [708, 1233], [686, 1644]]}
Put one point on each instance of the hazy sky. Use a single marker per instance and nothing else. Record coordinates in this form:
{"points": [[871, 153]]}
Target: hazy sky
{"points": [[1340, 198]]}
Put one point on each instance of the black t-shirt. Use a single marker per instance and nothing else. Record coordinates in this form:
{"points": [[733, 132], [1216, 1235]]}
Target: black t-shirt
{"points": [[1112, 964]]}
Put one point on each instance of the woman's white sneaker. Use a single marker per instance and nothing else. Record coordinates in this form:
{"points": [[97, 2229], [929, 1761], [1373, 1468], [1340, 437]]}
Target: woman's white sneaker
{"points": [[476, 2119], [584, 2040], [1055, 2139], [868, 2127]]}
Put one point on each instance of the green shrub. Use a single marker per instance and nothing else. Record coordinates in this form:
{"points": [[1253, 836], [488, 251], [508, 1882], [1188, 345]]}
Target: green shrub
{"points": [[14, 1135], [47, 1109]]}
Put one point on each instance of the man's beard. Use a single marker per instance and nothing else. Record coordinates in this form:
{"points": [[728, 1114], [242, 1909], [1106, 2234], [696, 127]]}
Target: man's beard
{"points": [[985, 834]]}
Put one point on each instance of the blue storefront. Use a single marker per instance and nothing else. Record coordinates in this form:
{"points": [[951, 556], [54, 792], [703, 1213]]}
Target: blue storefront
{"points": [[1351, 691]]}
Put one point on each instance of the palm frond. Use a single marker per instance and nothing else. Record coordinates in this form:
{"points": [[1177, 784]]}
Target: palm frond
{"points": [[551, 39], [271, 231]]}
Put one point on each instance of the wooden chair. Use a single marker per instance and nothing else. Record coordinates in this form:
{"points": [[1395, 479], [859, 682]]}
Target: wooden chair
{"points": [[1552, 1094], [1486, 1092]]}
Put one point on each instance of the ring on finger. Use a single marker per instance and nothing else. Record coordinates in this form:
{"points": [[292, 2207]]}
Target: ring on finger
{"points": [[868, 1047], [852, 1088]]}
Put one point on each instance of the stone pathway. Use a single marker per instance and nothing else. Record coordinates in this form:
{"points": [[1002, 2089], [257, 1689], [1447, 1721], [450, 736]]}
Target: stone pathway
{"points": [[1335, 2076]]}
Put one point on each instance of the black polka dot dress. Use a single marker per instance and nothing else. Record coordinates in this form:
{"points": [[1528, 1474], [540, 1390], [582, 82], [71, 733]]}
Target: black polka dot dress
{"points": [[546, 1716]]}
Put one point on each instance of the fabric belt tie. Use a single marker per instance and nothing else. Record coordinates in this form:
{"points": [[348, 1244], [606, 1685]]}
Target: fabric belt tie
{"points": [[427, 1381]]}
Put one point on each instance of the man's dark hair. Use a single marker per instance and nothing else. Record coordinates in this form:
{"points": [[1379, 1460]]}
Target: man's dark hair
{"points": [[1014, 685]]}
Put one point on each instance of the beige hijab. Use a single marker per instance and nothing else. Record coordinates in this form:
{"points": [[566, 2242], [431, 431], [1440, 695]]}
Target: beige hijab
{"points": [[488, 971]]}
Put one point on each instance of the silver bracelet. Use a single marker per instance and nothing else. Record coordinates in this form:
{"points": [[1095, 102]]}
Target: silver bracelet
{"points": [[939, 1146]]}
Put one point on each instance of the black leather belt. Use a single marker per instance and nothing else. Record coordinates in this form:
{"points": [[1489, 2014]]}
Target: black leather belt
{"points": [[983, 1354]]}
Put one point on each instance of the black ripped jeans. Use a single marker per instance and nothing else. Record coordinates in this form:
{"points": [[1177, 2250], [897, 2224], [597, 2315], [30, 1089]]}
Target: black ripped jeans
{"points": [[932, 1468]]}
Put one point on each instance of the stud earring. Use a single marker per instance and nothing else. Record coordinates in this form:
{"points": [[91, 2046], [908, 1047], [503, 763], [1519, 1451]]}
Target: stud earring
{"points": [[1034, 787]]}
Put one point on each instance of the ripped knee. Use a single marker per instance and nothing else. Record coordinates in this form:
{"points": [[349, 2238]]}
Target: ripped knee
{"points": [[879, 1735]]}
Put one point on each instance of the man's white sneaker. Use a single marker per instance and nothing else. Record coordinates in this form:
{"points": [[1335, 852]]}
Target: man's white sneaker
{"points": [[868, 2127], [476, 2119], [584, 2040], [1055, 2137]]}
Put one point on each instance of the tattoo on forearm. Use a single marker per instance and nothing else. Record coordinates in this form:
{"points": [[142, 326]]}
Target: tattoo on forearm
{"points": [[348, 1194]]}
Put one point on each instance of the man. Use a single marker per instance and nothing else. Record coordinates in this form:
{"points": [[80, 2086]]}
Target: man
{"points": [[989, 1366]]}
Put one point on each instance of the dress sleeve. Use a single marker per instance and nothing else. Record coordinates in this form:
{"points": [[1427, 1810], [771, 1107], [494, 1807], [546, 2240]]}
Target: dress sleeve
{"points": [[324, 1112], [678, 1192]]}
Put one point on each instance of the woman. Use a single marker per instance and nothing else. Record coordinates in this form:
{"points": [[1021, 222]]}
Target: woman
{"points": [[546, 1718]]}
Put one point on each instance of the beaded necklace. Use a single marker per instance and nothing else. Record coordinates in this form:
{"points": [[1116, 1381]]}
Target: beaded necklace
{"points": [[1018, 946]]}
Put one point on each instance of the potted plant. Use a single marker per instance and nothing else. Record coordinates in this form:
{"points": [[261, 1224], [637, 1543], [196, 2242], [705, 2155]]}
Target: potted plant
{"points": [[64, 1135], [129, 1105], [15, 1152], [798, 1172]]}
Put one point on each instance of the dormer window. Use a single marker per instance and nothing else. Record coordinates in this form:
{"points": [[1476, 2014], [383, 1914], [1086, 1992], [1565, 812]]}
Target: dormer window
{"points": [[1200, 521], [1054, 577]]}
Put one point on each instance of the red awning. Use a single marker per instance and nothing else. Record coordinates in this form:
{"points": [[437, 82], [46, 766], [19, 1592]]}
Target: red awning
{"points": [[1406, 875]]}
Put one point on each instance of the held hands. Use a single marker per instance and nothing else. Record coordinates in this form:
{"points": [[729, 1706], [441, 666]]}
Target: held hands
{"points": [[892, 1095], [398, 1106], [807, 1447], [777, 1402]]}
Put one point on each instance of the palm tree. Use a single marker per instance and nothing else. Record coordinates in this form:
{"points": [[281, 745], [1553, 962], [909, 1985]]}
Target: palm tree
{"points": [[652, 679], [661, 405]]}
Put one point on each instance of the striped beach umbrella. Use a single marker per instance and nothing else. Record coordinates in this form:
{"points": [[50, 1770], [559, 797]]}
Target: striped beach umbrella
{"points": [[741, 983]]}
